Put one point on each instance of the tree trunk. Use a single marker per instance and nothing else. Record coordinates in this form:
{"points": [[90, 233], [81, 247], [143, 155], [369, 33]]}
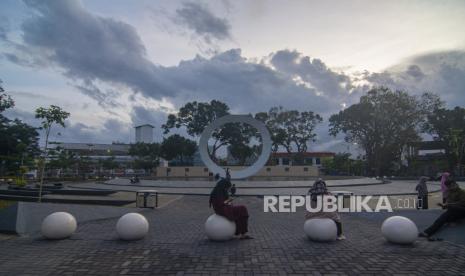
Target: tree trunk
{"points": [[43, 165]]}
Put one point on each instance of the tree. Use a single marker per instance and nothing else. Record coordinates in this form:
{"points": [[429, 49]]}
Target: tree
{"points": [[50, 116], [62, 159], [178, 147], [147, 155], [291, 129], [448, 126], [196, 116], [18, 141], [383, 123]]}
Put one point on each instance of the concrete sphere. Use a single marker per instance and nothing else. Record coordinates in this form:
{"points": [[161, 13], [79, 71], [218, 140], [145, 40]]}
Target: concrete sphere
{"points": [[132, 226], [401, 230], [321, 229], [58, 225], [219, 228]]}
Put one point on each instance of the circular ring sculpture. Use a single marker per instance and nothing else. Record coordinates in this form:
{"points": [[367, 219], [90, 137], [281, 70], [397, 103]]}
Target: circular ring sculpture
{"points": [[132, 226], [400, 230], [320, 229], [219, 228], [58, 225], [246, 119]]}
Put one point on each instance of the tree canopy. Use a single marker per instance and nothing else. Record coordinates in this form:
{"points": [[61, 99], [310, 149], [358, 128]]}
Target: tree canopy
{"points": [[147, 155], [383, 123], [291, 129], [178, 148], [448, 126]]}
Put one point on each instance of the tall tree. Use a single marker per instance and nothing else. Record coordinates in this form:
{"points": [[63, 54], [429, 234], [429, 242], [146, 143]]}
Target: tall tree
{"points": [[18, 141], [383, 123], [50, 116], [178, 147], [196, 116], [291, 129], [147, 155], [448, 126]]}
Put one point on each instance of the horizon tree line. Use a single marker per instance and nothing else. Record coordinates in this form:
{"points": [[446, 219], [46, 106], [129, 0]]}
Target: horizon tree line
{"points": [[383, 123]]}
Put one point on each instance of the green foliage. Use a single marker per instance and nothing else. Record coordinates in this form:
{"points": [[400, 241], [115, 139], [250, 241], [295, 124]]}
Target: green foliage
{"points": [[448, 126], [52, 115], [178, 147], [383, 123], [18, 141], [195, 116], [290, 129], [147, 155], [5, 100]]}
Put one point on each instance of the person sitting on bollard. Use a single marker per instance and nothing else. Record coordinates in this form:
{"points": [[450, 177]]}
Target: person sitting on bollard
{"points": [[455, 209], [222, 204], [422, 190], [319, 189]]}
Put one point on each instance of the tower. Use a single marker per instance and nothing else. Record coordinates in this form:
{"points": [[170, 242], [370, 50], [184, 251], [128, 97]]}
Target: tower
{"points": [[144, 133]]}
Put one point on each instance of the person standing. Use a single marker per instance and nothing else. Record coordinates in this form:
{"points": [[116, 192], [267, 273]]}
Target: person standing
{"points": [[422, 190], [444, 188]]}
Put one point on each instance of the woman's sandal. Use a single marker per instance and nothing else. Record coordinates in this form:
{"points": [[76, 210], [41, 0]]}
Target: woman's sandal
{"points": [[246, 237]]}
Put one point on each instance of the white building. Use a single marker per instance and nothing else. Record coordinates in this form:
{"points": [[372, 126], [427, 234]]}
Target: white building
{"points": [[144, 133]]}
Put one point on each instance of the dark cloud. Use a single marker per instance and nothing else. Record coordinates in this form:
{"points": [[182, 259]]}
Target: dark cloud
{"points": [[105, 98], [90, 47], [442, 73], [312, 71], [415, 72], [4, 27], [203, 22]]}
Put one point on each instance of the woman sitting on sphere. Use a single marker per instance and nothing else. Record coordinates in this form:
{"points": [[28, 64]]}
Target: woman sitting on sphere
{"points": [[221, 202], [319, 189]]}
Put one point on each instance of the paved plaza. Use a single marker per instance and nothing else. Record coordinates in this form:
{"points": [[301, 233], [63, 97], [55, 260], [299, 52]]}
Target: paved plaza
{"points": [[359, 186], [177, 245]]}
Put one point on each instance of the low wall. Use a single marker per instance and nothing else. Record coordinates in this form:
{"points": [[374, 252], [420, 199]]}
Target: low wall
{"points": [[266, 171], [26, 217]]}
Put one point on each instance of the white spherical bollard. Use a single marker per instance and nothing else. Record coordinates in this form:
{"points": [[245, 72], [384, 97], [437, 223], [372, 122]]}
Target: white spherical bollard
{"points": [[132, 226], [401, 230], [321, 229], [219, 228], [58, 225]]}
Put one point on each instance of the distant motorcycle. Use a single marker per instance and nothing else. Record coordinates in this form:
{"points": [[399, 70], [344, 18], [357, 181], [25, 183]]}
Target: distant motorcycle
{"points": [[135, 180]]}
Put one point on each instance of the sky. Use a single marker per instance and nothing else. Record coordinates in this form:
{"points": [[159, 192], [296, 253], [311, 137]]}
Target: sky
{"points": [[114, 64]]}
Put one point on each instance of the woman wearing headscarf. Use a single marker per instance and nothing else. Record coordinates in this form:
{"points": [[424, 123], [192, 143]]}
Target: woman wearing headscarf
{"points": [[422, 190], [319, 189], [221, 203], [444, 189]]}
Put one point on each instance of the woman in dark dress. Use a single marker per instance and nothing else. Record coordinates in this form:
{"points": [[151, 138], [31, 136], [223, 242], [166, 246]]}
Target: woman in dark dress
{"points": [[221, 203]]}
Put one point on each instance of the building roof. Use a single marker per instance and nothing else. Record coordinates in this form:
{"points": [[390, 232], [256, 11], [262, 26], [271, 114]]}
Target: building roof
{"points": [[144, 126], [91, 146]]}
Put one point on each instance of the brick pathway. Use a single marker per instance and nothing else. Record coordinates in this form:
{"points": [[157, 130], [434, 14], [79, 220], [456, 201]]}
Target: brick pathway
{"points": [[177, 245]]}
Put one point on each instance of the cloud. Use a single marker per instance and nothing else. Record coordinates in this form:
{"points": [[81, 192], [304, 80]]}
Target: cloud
{"points": [[199, 19], [442, 73], [88, 47], [312, 72], [111, 130], [4, 27]]}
